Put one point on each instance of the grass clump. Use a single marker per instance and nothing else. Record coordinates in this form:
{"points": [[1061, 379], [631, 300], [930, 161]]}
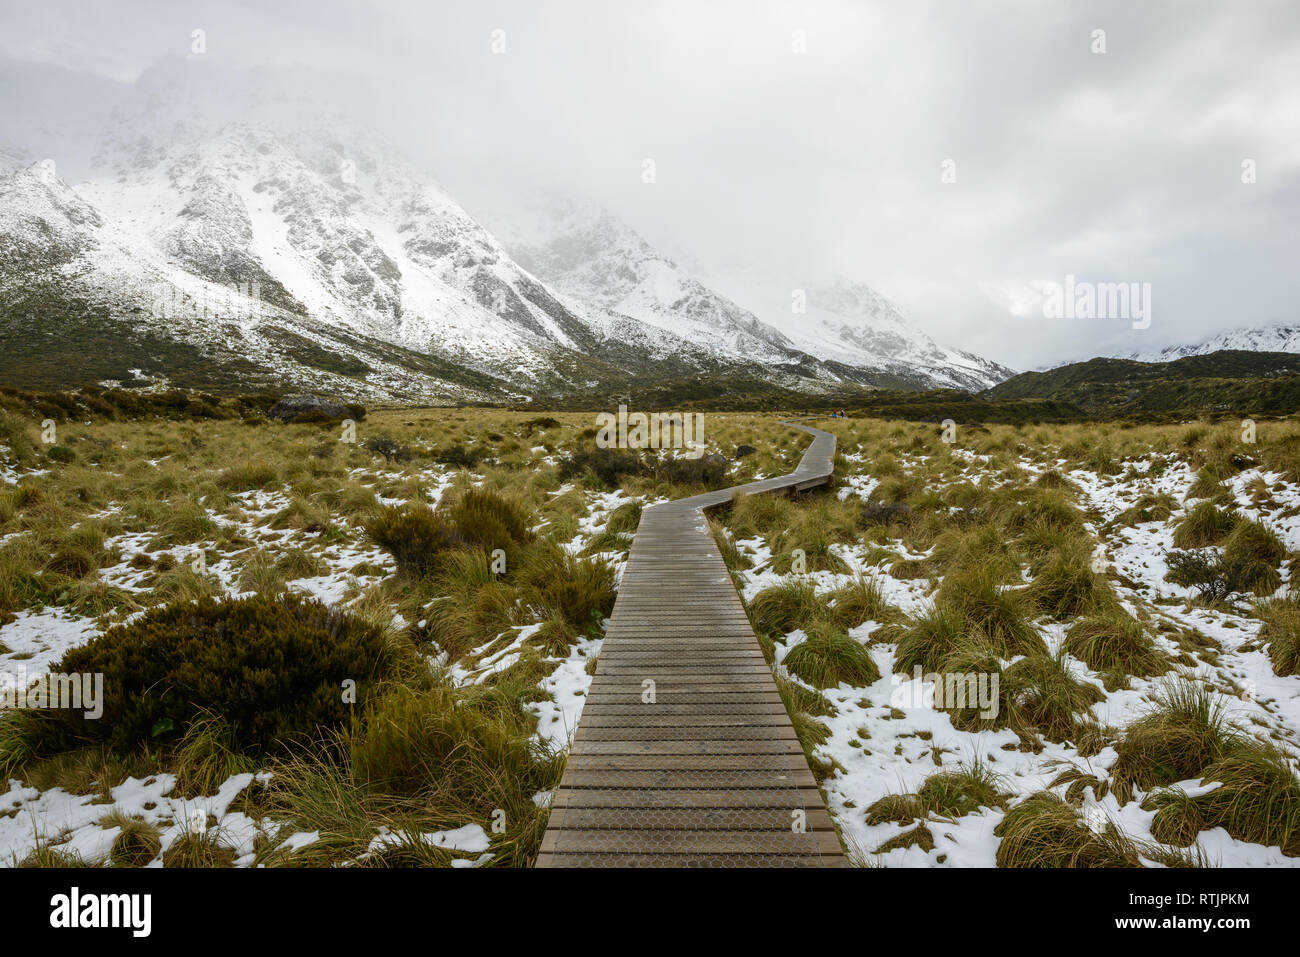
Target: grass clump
{"points": [[138, 843], [1204, 524], [1115, 644], [1047, 697], [952, 794], [860, 601], [1046, 831], [783, 608], [1185, 732], [1000, 615], [1065, 585], [829, 657], [1281, 633]]}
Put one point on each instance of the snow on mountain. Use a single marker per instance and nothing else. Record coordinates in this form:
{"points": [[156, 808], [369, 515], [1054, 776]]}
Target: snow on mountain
{"points": [[209, 198], [851, 323], [597, 259], [602, 262], [1278, 338]]}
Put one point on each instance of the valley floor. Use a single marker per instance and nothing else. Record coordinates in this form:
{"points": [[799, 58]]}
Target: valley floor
{"points": [[1139, 721]]}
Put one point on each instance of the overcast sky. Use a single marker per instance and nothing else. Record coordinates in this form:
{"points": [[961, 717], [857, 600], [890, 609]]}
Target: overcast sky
{"points": [[776, 168]]}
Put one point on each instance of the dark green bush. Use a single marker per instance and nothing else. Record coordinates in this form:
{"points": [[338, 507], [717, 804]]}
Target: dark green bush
{"points": [[419, 537], [271, 668], [416, 535], [608, 466], [707, 470], [460, 457]]}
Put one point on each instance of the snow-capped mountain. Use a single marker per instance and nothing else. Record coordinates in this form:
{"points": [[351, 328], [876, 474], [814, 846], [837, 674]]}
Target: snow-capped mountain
{"points": [[1279, 338], [851, 323], [604, 264], [600, 261], [216, 231]]}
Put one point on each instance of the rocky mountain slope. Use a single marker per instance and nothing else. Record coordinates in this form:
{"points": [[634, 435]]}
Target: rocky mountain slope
{"points": [[214, 242]]}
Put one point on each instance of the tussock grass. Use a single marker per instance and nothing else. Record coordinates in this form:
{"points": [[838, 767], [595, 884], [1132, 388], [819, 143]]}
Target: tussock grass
{"points": [[1000, 615], [1254, 553], [1115, 644], [1046, 831], [951, 794], [829, 657], [199, 849], [625, 518], [208, 754], [783, 608], [1185, 731], [1065, 585], [1204, 524], [860, 601], [929, 639], [1281, 633], [1047, 697], [138, 843], [1258, 799]]}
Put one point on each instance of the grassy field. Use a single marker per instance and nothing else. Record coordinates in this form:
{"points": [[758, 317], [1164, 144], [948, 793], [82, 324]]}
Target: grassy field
{"points": [[322, 648]]}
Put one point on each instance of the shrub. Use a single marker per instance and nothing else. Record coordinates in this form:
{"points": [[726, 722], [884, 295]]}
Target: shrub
{"points": [[1249, 563], [270, 668], [416, 535], [607, 466], [388, 448], [458, 456], [709, 471]]}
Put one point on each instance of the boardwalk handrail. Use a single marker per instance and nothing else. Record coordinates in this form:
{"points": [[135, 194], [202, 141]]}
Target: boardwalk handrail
{"points": [[684, 753]]}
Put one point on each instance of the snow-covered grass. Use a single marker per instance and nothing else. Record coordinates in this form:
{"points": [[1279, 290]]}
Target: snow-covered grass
{"points": [[1067, 526], [992, 504]]}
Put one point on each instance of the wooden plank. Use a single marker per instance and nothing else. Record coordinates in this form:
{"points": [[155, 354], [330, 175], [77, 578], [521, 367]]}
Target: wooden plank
{"points": [[691, 842], [699, 797]]}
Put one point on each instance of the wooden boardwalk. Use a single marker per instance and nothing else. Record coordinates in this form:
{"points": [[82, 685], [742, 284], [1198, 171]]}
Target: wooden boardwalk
{"points": [[684, 754]]}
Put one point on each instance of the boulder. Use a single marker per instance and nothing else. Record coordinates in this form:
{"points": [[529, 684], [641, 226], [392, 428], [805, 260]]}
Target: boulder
{"points": [[289, 409]]}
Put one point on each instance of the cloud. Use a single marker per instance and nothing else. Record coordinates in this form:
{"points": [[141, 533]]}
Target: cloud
{"points": [[788, 166]]}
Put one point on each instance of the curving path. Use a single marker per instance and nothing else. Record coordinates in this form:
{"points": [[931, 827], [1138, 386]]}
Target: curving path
{"points": [[684, 754]]}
